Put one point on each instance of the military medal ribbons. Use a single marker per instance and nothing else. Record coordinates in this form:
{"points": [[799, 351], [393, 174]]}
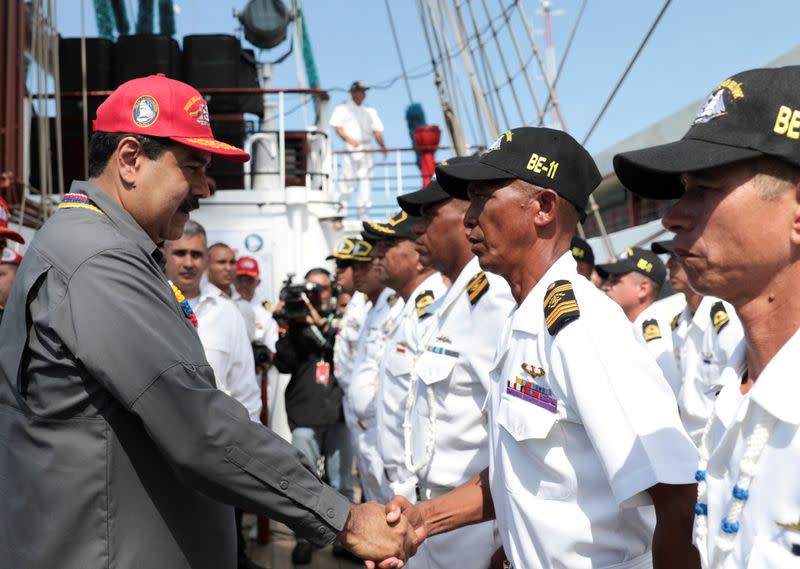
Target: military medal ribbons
{"points": [[187, 310], [754, 445]]}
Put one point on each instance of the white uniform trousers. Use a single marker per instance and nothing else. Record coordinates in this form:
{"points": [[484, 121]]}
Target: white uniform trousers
{"points": [[357, 168]]}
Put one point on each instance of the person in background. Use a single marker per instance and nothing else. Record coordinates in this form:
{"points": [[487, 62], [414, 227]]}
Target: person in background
{"points": [[221, 273], [313, 396], [736, 178], [222, 333], [702, 349], [584, 256], [362, 384], [634, 282], [246, 281], [9, 263], [401, 269], [352, 319], [357, 124]]}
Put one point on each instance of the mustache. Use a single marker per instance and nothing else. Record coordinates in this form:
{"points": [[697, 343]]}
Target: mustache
{"points": [[189, 204]]}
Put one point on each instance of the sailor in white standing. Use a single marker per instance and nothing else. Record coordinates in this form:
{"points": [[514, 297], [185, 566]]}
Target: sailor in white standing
{"points": [[445, 426], [362, 383], [357, 124], [419, 286], [586, 447], [736, 178], [634, 282], [704, 335], [352, 320]]}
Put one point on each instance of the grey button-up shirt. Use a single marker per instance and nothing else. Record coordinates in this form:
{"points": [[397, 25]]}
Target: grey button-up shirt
{"points": [[116, 449]]}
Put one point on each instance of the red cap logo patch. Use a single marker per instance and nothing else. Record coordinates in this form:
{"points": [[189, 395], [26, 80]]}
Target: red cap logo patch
{"points": [[145, 111], [198, 110]]}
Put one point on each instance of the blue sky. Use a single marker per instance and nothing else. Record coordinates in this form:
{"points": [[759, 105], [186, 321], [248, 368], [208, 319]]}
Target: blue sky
{"points": [[696, 45]]}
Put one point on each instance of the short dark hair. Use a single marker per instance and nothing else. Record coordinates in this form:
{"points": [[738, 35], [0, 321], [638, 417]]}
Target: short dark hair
{"points": [[103, 144], [318, 271]]}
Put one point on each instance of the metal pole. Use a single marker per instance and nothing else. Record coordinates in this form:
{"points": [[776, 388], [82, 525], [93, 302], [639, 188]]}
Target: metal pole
{"points": [[84, 98], [399, 167], [281, 143], [476, 88]]}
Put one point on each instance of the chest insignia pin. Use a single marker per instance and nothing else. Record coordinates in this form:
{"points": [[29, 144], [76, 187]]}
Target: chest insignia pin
{"points": [[534, 371]]}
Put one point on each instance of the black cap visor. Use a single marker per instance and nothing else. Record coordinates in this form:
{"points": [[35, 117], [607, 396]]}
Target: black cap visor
{"points": [[456, 177], [654, 172], [663, 247], [621, 267], [413, 203]]}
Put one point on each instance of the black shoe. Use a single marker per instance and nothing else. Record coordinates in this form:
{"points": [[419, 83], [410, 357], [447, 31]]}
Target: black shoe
{"points": [[247, 563], [301, 554]]}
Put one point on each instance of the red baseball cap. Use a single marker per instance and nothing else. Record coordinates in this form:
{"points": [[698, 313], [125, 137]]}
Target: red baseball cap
{"points": [[163, 107], [247, 266], [4, 230], [10, 257]]}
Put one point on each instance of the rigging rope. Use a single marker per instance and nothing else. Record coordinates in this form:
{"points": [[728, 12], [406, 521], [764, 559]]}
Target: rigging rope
{"points": [[399, 52], [518, 51], [505, 66], [487, 69], [627, 70]]}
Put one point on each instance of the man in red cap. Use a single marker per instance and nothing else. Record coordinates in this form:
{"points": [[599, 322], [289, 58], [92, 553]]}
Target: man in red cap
{"points": [[116, 448], [5, 231], [9, 262]]}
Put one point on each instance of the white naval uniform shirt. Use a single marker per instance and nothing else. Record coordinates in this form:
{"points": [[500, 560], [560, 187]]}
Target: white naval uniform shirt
{"points": [[569, 486], [361, 392], [222, 332], [452, 376], [701, 356], [363, 380], [660, 348], [761, 542], [457, 353], [402, 349], [350, 325], [266, 326], [359, 122]]}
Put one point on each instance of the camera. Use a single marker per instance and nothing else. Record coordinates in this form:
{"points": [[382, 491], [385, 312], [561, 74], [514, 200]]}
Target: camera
{"points": [[261, 354], [294, 298]]}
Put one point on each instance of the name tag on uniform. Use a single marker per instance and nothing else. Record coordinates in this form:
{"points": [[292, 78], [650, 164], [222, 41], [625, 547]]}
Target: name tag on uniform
{"points": [[323, 374]]}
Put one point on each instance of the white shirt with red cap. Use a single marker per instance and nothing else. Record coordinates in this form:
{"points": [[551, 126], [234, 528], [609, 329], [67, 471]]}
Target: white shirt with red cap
{"points": [[757, 433], [581, 424]]}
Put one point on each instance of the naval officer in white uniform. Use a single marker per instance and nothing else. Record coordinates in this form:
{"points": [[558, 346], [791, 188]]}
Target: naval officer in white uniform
{"points": [[736, 176], [446, 431], [704, 335], [585, 437], [362, 384], [419, 286]]}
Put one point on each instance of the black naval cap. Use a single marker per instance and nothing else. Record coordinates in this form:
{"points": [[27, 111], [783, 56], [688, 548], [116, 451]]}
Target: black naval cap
{"points": [[663, 247], [432, 193], [581, 250], [754, 113], [400, 225], [638, 260], [543, 157]]}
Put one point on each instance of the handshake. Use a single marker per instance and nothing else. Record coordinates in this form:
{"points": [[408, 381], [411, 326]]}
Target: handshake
{"points": [[385, 536]]}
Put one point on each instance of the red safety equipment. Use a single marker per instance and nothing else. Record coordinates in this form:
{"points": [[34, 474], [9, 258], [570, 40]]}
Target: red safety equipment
{"points": [[426, 141]]}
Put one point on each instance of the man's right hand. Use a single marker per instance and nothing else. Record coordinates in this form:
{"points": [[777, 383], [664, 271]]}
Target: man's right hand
{"points": [[399, 506], [369, 535]]}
